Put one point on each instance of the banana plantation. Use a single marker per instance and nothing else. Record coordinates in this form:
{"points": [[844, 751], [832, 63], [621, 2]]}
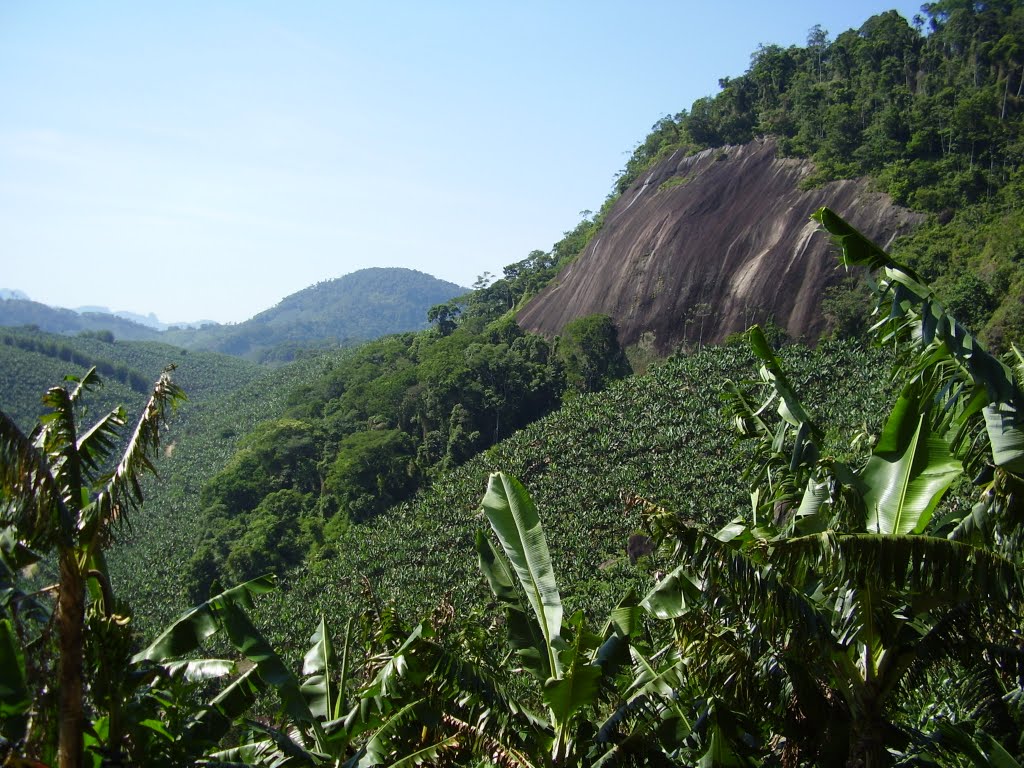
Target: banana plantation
{"points": [[862, 610]]}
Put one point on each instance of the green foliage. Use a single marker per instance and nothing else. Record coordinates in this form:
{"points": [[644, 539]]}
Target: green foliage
{"points": [[974, 263], [343, 312], [380, 420], [850, 561], [372, 471], [445, 315], [64, 489], [68, 353], [658, 437], [935, 118], [590, 351], [845, 307], [260, 510]]}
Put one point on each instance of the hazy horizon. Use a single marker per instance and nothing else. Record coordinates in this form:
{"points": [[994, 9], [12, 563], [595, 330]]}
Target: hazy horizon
{"points": [[202, 161], [16, 294]]}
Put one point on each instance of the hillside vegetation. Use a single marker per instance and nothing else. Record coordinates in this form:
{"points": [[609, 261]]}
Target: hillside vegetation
{"points": [[663, 437], [351, 434], [128, 368], [345, 311], [931, 109], [807, 556], [355, 308], [853, 610]]}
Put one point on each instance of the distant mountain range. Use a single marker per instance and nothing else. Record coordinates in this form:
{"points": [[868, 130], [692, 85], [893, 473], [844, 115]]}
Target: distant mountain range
{"points": [[356, 307], [150, 320]]}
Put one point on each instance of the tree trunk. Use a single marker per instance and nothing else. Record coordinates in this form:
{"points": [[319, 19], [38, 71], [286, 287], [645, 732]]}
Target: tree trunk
{"points": [[867, 744], [70, 623]]}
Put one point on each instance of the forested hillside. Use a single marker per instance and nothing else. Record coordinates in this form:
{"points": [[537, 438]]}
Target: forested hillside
{"points": [[345, 311], [663, 437], [807, 555], [357, 432], [31, 357], [20, 312], [930, 108], [358, 307]]}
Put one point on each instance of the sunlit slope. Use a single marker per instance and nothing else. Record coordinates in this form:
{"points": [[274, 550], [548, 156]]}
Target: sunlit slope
{"points": [[25, 375], [31, 361], [661, 437], [147, 562], [357, 307]]}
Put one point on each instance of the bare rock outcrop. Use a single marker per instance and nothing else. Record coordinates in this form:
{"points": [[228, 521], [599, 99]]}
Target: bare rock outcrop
{"points": [[703, 246]]}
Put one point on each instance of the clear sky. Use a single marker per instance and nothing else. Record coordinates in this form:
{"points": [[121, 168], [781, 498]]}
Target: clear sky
{"points": [[203, 160]]}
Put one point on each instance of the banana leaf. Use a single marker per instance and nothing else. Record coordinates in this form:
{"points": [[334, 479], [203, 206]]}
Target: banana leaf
{"points": [[909, 471], [514, 519]]}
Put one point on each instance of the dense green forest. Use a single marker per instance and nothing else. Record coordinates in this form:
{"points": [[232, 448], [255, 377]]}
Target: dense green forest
{"points": [[835, 581], [930, 108], [377, 425]]}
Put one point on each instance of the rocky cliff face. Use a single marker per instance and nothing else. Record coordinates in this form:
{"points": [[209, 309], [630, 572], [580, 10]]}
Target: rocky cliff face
{"points": [[703, 246]]}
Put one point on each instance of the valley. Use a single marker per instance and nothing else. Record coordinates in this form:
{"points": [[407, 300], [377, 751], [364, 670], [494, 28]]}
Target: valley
{"points": [[765, 406]]}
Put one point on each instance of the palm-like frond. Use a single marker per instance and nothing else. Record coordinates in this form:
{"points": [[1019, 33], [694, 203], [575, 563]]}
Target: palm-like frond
{"points": [[971, 379], [909, 470], [499, 751], [83, 385], [31, 499], [465, 705], [632, 732], [524, 633], [786, 461], [97, 444], [322, 696], [932, 570], [514, 519], [957, 640], [122, 491], [736, 571]]}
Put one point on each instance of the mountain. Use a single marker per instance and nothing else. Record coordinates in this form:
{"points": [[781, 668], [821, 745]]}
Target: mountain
{"points": [[14, 312], [150, 320], [15, 294], [702, 246], [360, 306]]}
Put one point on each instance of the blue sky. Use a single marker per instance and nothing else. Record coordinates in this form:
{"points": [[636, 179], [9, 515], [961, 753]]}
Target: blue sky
{"points": [[202, 160]]}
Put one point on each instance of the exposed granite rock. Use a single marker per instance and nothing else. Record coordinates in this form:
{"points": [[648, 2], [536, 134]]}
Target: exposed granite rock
{"points": [[703, 246]]}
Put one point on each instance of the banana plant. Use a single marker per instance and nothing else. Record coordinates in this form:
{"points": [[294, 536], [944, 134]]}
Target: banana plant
{"points": [[427, 701], [576, 667], [966, 384], [225, 613], [854, 564], [64, 490]]}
